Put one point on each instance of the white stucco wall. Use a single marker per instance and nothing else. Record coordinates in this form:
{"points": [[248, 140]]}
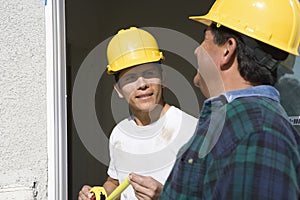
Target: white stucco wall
{"points": [[23, 136]]}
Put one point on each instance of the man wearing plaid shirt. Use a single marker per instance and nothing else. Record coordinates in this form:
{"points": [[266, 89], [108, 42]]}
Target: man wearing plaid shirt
{"points": [[244, 146]]}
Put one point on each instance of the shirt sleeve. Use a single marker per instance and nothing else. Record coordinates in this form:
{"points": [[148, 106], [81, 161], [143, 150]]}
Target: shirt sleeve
{"points": [[112, 172]]}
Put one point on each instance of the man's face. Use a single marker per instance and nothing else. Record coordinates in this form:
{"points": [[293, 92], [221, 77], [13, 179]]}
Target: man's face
{"points": [[208, 78], [141, 86]]}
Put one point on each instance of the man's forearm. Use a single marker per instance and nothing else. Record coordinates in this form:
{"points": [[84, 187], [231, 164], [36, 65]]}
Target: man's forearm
{"points": [[110, 185]]}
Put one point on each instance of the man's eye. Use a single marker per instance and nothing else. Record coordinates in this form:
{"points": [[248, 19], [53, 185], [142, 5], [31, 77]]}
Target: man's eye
{"points": [[150, 74], [130, 78]]}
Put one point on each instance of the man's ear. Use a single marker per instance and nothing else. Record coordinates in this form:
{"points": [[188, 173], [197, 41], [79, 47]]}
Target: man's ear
{"points": [[118, 90], [229, 51]]}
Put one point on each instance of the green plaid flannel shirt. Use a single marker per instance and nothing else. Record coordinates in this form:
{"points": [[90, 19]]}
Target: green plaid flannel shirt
{"points": [[244, 147]]}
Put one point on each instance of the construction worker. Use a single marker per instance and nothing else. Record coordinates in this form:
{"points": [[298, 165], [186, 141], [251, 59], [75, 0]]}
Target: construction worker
{"points": [[244, 146], [145, 144]]}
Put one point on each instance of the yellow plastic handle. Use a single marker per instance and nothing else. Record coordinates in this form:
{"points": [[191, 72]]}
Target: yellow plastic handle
{"points": [[99, 192], [118, 190]]}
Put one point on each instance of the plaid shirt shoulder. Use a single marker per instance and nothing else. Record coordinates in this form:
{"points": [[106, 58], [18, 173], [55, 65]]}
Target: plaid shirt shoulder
{"points": [[246, 149]]}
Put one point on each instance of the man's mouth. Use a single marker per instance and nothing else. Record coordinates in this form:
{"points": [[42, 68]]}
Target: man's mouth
{"points": [[144, 96]]}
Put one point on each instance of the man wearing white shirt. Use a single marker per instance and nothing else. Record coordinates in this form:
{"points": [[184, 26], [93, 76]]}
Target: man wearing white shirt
{"points": [[145, 144]]}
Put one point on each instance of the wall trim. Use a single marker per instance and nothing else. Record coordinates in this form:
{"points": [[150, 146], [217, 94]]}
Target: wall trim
{"points": [[56, 100]]}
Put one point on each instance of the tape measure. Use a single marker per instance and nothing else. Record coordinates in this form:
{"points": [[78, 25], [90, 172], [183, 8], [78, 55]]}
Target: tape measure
{"points": [[99, 193]]}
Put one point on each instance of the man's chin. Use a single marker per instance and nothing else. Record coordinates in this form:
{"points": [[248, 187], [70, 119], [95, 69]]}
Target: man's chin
{"points": [[146, 107]]}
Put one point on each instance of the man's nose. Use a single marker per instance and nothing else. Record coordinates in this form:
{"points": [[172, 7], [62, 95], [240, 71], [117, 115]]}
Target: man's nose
{"points": [[141, 83], [198, 49]]}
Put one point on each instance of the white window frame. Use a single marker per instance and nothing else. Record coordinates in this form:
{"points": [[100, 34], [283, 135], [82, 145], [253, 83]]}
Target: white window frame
{"points": [[56, 100]]}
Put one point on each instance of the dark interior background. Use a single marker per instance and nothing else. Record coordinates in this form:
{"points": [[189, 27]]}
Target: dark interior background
{"points": [[88, 23]]}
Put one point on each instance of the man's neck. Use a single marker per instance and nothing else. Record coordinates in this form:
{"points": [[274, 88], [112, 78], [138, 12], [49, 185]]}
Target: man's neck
{"points": [[232, 80], [146, 118]]}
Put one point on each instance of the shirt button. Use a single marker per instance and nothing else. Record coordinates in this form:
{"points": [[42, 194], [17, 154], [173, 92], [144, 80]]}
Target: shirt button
{"points": [[190, 160]]}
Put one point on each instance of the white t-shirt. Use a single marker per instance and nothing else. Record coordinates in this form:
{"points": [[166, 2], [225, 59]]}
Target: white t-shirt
{"points": [[148, 150]]}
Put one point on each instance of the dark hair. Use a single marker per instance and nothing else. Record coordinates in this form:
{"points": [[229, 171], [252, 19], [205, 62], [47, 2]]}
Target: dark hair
{"points": [[117, 76], [257, 61]]}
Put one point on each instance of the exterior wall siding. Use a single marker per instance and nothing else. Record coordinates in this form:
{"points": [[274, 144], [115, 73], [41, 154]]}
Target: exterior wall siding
{"points": [[23, 106]]}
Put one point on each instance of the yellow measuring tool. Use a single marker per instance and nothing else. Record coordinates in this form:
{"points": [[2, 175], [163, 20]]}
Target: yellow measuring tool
{"points": [[99, 193]]}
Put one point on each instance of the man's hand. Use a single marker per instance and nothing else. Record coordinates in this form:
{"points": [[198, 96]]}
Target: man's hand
{"points": [[145, 187], [109, 186], [84, 193]]}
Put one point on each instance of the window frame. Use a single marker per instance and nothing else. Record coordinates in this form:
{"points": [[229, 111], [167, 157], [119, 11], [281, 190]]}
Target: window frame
{"points": [[56, 99]]}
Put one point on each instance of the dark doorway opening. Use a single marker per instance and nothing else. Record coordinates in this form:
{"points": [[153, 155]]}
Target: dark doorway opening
{"points": [[88, 24]]}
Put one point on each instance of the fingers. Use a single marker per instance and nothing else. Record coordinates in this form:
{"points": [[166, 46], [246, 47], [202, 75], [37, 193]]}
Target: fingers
{"points": [[84, 193], [142, 193], [145, 187]]}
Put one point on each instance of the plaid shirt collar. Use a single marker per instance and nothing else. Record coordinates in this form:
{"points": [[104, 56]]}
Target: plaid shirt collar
{"points": [[262, 91]]}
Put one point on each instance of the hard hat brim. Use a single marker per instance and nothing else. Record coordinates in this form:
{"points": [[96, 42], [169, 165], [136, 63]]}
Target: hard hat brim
{"points": [[202, 19]]}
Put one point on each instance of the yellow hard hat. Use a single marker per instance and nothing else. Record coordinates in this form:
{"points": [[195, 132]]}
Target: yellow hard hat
{"points": [[276, 23], [130, 47]]}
